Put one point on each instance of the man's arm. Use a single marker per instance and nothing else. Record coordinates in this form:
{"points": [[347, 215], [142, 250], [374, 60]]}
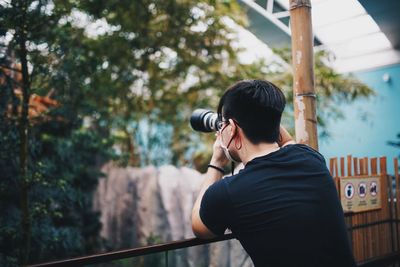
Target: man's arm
{"points": [[284, 137], [198, 227], [218, 159]]}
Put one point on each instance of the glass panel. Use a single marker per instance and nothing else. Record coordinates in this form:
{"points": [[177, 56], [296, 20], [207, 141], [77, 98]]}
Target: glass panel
{"points": [[348, 29], [224, 253]]}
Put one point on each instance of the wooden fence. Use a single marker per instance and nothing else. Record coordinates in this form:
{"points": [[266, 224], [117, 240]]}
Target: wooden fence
{"points": [[373, 233]]}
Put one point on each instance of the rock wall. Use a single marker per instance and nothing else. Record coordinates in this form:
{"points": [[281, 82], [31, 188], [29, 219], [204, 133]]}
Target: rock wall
{"points": [[141, 206]]}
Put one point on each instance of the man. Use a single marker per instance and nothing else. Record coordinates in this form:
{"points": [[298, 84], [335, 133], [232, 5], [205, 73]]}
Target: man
{"points": [[283, 206]]}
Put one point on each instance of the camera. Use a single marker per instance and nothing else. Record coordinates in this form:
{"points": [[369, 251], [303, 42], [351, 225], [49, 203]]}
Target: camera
{"points": [[204, 120]]}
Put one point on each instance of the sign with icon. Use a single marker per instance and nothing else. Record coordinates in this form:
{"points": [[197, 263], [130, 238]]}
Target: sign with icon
{"points": [[360, 194]]}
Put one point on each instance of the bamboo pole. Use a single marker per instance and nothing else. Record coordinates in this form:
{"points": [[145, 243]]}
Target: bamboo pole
{"points": [[303, 73]]}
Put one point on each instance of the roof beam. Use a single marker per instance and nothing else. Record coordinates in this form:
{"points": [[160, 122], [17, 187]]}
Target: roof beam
{"points": [[267, 13]]}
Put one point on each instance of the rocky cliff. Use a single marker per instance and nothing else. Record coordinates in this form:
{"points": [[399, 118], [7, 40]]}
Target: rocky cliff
{"points": [[153, 205]]}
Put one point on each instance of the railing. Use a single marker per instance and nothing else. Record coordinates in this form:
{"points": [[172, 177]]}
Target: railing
{"points": [[387, 260], [135, 252], [166, 247]]}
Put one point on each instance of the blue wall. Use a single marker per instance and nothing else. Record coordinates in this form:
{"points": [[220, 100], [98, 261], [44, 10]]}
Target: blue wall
{"points": [[368, 124]]}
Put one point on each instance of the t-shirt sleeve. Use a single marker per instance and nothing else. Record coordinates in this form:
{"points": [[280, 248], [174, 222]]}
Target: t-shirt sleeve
{"points": [[215, 208]]}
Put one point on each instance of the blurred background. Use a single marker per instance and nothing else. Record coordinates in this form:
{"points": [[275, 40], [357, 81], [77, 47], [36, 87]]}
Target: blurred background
{"points": [[96, 151]]}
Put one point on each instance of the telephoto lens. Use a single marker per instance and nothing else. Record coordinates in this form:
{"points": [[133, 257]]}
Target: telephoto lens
{"points": [[204, 120]]}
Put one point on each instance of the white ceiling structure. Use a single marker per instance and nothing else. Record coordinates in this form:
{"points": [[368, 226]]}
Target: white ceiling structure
{"points": [[341, 26]]}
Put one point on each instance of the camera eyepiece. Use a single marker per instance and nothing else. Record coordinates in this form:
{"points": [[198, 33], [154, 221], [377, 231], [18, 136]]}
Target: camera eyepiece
{"points": [[204, 120]]}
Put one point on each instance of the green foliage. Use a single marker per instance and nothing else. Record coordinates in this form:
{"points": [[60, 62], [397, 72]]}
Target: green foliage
{"points": [[62, 179], [63, 173], [168, 57], [64, 156]]}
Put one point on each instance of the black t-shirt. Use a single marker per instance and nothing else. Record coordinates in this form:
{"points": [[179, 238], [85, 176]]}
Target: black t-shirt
{"points": [[284, 209]]}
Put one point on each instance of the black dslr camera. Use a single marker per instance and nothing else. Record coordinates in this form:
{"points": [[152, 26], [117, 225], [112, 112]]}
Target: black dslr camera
{"points": [[204, 120]]}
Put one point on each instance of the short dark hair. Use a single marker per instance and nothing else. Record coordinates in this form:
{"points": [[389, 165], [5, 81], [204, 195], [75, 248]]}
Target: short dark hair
{"points": [[256, 106]]}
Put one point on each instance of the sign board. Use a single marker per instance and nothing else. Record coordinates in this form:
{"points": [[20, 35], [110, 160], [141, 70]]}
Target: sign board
{"points": [[360, 194]]}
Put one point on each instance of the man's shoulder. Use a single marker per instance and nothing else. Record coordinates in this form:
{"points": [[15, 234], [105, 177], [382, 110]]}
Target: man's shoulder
{"points": [[231, 184], [228, 180], [303, 147], [308, 150]]}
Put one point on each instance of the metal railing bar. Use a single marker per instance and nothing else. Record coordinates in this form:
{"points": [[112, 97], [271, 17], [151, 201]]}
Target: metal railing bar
{"points": [[134, 252], [365, 225]]}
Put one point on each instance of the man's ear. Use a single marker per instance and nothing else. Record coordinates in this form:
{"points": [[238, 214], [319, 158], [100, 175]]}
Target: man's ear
{"points": [[233, 127]]}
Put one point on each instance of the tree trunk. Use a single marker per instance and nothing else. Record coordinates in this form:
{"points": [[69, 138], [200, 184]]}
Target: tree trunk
{"points": [[21, 33]]}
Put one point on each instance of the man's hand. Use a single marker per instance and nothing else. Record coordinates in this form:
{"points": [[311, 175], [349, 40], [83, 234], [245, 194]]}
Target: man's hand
{"points": [[218, 158], [284, 137]]}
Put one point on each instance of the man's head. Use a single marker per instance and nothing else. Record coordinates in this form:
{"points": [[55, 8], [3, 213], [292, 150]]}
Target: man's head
{"points": [[256, 106]]}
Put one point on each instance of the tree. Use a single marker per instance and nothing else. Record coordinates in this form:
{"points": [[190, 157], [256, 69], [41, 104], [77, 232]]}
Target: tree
{"points": [[169, 57], [48, 168]]}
